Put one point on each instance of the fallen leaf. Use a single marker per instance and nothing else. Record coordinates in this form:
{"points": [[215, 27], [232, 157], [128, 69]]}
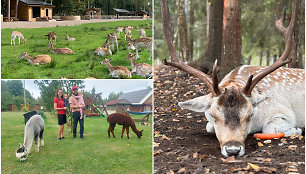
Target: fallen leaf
{"points": [[159, 151], [203, 156], [292, 147], [283, 140], [267, 141], [170, 172], [156, 132], [155, 144], [174, 109], [195, 155], [292, 136], [300, 137], [255, 167], [176, 120], [182, 170], [199, 121], [268, 160], [291, 169], [180, 128], [260, 144], [268, 169], [231, 159]]}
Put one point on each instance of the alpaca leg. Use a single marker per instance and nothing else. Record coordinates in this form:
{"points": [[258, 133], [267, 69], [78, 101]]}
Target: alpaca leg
{"points": [[122, 131], [108, 131], [127, 131], [41, 136], [112, 129], [36, 139]]}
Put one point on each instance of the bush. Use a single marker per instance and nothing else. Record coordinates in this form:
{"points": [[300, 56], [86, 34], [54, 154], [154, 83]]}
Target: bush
{"points": [[42, 113]]}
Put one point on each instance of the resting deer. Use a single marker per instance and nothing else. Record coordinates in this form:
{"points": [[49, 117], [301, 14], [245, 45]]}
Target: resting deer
{"points": [[70, 38], [127, 32], [51, 37], [126, 121], [250, 98], [38, 60], [111, 38], [141, 43], [116, 71], [61, 50], [119, 30], [142, 33], [103, 51], [15, 34], [142, 69]]}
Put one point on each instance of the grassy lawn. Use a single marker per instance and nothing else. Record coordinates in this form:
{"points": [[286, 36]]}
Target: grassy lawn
{"points": [[80, 65], [95, 154]]}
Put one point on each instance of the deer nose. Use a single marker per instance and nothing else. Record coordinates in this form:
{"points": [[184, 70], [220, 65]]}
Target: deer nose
{"points": [[233, 151]]}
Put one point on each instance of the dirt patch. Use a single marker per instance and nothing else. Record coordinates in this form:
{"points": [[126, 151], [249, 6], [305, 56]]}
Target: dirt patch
{"points": [[182, 145]]}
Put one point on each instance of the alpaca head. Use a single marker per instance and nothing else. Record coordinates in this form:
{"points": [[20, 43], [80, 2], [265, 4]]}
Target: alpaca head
{"points": [[21, 153], [139, 134]]}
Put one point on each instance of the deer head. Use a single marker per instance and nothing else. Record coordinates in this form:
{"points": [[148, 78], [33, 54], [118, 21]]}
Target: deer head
{"points": [[228, 108], [23, 55], [131, 56], [105, 61]]}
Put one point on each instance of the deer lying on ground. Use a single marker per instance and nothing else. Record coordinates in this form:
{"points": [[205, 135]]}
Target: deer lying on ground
{"points": [[250, 98], [116, 71], [103, 51], [127, 32], [61, 50], [37, 60], [141, 43], [142, 33], [70, 38], [51, 37], [34, 129], [111, 38], [119, 30], [142, 69], [15, 34], [122, 119]]}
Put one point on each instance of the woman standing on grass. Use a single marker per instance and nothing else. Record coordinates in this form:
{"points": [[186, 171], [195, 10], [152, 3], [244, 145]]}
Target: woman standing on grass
{"points": [[59, 106]]}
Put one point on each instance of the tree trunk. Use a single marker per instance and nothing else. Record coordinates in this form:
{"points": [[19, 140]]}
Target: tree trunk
{"points": [[231, 39], [260, 58], [267, 58], [183, 33], [249, 60], [16, 9], [9, 8], [191, 38], [274, 58]]}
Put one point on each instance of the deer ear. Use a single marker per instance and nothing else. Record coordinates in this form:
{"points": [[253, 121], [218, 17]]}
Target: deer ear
{"points": [[199, 104], [257, 98]]}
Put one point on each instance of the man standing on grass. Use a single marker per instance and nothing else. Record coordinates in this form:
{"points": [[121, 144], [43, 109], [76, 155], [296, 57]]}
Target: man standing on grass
{"points": [[75, 105]]}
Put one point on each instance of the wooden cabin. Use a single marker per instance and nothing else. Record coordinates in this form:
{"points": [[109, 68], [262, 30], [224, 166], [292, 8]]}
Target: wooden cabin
{"points": [[93, 13], [32, 10]]}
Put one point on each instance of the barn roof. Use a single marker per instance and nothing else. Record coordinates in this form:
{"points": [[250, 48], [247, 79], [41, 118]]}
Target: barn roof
{"points": [[121, 10], [36, 3], [137, 97]]}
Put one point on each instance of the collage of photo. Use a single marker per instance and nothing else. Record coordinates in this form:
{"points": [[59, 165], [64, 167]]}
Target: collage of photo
{"points": [[152, 86]]}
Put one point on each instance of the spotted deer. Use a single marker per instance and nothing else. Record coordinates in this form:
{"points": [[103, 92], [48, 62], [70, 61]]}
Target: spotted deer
{"points": [[142, 33], [103, 51], [37, 60], [61, 50], [142, 69], [51, 37], [119, 30], [116, 71], [111, 38], [250, 98], [141, 43], [15, 34], [127, 32], [70, 38]]}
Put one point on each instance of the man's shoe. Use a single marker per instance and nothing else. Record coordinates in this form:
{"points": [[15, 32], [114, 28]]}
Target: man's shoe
{"points": [[59, 139]]}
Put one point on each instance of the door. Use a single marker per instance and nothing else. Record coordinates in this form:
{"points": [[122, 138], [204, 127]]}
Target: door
{"points": [[36, 12], [47, 12]]}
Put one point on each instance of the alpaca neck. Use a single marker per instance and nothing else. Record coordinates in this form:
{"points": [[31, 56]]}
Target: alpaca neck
{"points": [[28, 139], [134, 129]]}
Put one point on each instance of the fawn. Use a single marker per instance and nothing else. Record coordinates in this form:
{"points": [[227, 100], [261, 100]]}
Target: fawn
{"points": [[37, 60], [126, 121], [19, 35], [51, 36], [70, 38], [116, 71], [103, 51], [61, 50], [141, 43], [111, 38], [142, 69], [119, 30]]}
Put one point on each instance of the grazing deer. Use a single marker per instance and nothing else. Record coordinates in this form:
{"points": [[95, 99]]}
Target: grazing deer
{"points": [[126, 121], [34, 129], [61, 50], [117, 71], [51, 37], [111, 38], [15, 34], [37, 60], [141, 43], [127, 32], [70, 38], [250, 98], [119, 30], [131, 47], [103, 51], [142, 33], [142, 69]]}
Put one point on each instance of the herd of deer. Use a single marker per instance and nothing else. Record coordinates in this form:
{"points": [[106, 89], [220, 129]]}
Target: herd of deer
{"points": [[141, 69]]}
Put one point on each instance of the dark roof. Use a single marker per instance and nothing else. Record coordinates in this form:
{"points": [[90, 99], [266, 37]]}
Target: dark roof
{"points": [[120, 10], [137, 97], [36, 3], [144, 11]]}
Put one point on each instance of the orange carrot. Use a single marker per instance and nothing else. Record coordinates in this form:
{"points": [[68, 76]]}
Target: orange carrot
{"points": [[269, 136]]}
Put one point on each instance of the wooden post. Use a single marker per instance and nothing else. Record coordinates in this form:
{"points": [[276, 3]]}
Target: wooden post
{"points": [[9, 9]]}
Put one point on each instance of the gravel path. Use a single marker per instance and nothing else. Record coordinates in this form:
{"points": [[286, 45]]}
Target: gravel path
{"points": [[41, 24]]}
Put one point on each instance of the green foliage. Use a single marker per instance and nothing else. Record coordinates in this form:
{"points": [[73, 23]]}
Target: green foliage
{"points": [[112, 96], [42, 113], [96, 153], [80, 65]]}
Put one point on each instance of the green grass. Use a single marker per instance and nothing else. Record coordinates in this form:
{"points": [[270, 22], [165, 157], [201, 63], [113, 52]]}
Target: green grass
{"points": [[80, 65], [95, 154]]}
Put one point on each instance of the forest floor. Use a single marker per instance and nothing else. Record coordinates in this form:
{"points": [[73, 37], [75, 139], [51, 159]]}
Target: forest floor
{"points": [[182, 145]]}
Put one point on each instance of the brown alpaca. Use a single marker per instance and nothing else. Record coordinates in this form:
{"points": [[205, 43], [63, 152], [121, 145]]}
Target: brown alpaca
{"points": [[122, 119]]}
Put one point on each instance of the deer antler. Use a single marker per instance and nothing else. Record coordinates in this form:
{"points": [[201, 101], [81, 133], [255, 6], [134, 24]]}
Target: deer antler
{"points": [[287, 32], [175, 62]]}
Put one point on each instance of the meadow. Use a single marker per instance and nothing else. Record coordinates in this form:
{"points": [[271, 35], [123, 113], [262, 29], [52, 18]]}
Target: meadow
{"points": [[83, 63], [96, 153]]}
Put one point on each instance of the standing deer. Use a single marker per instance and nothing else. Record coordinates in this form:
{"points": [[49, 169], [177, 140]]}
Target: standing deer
{"points": [[61, 50], [142, 33], [271, 102], [111, 38], [15, 34], [37, 60], [51, 37], [119, 30], [142, 69], [127, 32], [141, 43], [116, 71], [103, 51]]}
